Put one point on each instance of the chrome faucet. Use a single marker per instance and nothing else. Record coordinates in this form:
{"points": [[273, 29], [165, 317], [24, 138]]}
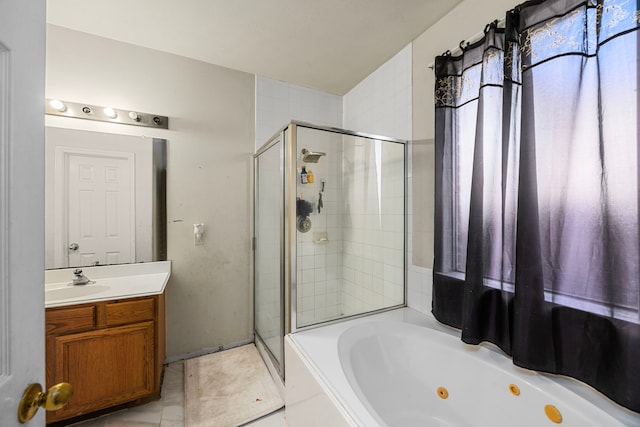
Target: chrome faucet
{"points": [[80, 279]]}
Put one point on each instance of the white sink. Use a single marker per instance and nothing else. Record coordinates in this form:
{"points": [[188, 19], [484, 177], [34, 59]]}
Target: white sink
{"points": [[71, 291], [111, 282]]}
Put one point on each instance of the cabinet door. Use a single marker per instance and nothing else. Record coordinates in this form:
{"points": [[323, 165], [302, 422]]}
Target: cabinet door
{"points": [[107, 367]]}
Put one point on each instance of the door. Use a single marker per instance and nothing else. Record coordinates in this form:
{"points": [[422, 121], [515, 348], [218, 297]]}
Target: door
{"points": [[268, 266], [100, 208], [22, 54]]}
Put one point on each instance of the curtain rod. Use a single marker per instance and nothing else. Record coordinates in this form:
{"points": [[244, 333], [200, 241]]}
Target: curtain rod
{"points": [[471, 40]]}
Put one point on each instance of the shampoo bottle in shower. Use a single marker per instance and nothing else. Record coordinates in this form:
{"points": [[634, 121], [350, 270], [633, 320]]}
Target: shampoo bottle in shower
{"points": [[309, 177], [303, 175]]}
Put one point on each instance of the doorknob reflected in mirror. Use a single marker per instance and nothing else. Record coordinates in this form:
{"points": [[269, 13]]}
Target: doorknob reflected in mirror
{"points": [[74, 247], [51, 400]]}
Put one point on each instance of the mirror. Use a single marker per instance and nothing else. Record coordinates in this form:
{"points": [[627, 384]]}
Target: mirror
{"points": [[105, 198]]}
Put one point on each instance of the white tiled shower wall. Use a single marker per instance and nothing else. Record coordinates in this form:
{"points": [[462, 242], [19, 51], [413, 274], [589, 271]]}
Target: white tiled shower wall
{"points": [[277, 103], [373, 225], [319, 265], [380, 104], [359, 267]]}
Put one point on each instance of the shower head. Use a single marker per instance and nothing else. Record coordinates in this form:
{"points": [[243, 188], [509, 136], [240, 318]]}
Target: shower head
{"points": [[311, 156]]}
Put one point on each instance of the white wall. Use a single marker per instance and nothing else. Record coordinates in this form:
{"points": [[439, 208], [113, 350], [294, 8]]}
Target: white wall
{"points": [[210, 145], [277, 103]]}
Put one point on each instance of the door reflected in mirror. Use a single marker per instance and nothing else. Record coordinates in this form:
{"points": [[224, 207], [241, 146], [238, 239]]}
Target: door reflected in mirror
{"points": [[105, 198]]}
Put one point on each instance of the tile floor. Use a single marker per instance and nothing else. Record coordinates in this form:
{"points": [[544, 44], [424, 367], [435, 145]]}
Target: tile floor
{"points": [[169, 410]]}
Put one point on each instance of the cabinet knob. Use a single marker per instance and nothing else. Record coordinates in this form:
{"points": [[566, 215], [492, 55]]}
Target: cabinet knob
{"points": [[51, 400]]}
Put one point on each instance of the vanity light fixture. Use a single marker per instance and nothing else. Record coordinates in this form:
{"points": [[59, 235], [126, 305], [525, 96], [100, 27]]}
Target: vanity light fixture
{"points": [[56, 107]]}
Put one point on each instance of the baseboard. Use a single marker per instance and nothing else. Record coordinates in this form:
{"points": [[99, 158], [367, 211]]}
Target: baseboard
{"points": [[205, 351]]}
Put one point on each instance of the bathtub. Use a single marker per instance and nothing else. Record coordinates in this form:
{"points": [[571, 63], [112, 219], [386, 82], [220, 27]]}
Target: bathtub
{"points": [[402, 368]]}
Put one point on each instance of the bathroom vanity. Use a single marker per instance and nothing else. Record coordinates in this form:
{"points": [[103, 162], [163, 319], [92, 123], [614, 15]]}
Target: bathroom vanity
{"points": [[108, 341]]}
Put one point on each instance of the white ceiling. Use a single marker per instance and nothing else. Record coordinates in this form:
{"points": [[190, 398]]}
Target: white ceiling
{"points": [[329, 45]]}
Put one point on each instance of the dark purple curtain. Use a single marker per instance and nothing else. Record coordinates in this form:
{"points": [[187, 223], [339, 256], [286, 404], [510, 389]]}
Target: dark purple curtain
{"points": [[537, 245]]}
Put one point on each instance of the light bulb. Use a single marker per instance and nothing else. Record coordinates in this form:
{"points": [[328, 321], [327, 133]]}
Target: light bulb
{"points": [[58, 105], [110, 113]]}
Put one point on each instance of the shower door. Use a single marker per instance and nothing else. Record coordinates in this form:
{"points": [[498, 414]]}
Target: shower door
{"points": [[268, 260], [350, 255]]}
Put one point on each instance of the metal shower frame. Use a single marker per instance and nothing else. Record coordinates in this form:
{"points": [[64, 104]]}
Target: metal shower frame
{"points": [[288, 244]]}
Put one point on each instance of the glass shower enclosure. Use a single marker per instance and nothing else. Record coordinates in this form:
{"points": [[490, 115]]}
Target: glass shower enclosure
{"points": [[329, 229]]}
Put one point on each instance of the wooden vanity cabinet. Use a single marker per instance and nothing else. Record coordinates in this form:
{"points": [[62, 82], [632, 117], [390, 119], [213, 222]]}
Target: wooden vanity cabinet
{"points": [[111, 352]]}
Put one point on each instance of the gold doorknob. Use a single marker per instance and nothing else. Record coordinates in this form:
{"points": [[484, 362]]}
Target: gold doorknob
{"points": [[51, 400]]}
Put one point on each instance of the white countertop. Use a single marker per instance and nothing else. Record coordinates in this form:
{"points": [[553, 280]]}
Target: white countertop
{"points": [[111, 282]]}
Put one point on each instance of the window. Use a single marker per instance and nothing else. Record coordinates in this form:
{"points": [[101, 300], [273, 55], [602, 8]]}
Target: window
{"points": [[537, 245]]}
